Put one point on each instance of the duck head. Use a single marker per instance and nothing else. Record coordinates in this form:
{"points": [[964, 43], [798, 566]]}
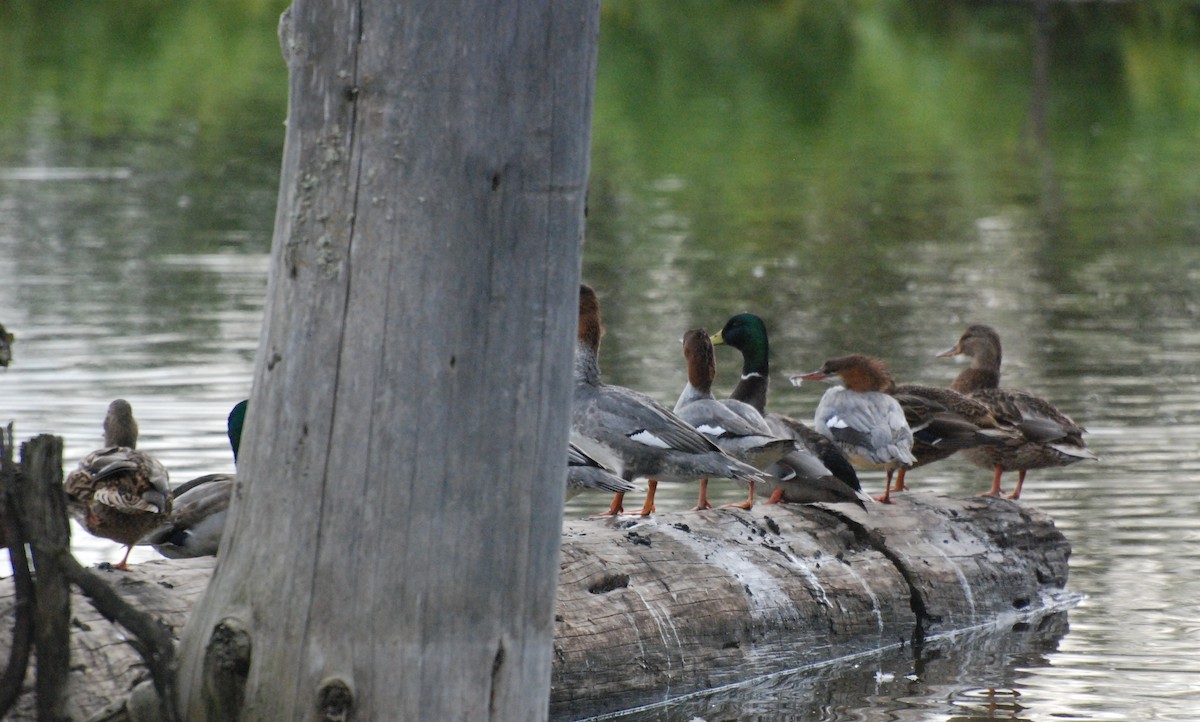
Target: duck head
{"points": [[857, 372], [701, 362], [591, 330], [120, 428], [981, 344]]}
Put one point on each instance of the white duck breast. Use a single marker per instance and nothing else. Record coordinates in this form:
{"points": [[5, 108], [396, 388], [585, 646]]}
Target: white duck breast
{"points": [[867, 425]]}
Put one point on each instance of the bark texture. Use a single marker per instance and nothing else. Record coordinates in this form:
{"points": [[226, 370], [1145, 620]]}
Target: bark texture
{"points": [[392, 544], [686, 601]]}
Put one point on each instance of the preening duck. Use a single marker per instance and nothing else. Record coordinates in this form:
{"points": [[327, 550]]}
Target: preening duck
{"points": [[119, 492], [631, 432], [1048, 437]]}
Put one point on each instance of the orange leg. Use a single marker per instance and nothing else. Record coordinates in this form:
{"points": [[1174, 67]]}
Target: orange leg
{"points": [[617, 506], [900, 481], [747, 504], [648, 506], [995, 490], [1020, 482], [776, 496], [887, 492], [122, 565], [702, 501]]}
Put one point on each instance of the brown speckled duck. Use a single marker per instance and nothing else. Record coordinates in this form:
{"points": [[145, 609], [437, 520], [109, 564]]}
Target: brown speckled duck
{"points": [[118, 492], [1048, 437], [944, 421]]}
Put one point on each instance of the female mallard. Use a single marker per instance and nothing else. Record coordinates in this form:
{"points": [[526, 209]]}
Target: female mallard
{"points": [[200, 506], [632, 432], [118, 492], [860, 416], [816, 458], [944, 421], [1048, 437], [735, 434]]}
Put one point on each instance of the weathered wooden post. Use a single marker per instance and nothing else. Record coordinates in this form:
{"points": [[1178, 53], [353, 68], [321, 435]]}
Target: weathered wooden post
{"points": [[393, 545]]}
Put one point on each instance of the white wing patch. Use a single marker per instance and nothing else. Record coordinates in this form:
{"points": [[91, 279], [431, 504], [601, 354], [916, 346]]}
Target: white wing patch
{"points": [[836, 422], [649, 439], [710, 429]]}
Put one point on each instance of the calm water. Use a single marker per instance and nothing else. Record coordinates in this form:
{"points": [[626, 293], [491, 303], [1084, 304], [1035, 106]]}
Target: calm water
{"points": [[866, 180]]}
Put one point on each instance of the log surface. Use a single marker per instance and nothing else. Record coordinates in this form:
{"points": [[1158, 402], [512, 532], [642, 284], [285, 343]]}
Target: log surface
{"points": [[684, 601]]}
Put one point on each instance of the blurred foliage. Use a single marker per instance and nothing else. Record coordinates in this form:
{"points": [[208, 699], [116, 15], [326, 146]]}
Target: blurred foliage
{"points": [[812, 132]]}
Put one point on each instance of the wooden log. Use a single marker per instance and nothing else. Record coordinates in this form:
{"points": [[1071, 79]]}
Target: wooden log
{"points": [[685, 601]]}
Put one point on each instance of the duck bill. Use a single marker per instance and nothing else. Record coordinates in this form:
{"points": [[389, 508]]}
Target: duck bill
{"points": [[950, 352], [717, 339], [798, 379]]}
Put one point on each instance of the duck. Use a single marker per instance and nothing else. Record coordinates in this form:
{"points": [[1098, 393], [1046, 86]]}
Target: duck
{"points": [[200, 506], [197, 520], [119, 492], [816, 458], [585, 473], [943, 422], [631, 432], [736, 434], [1047, 437], [860, 416], [6, 342]]}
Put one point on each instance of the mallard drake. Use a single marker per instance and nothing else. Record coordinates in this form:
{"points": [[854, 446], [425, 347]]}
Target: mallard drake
{"points": [[816, 457], [6, 341], [1049, 438], [119, 492], [631, 432], [200, 506], [944, 421], [860, 416], [736, 434], [585, 473], [197, 518]]}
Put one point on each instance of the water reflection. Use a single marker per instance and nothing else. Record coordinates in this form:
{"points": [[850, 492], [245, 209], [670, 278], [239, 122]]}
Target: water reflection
{"points": [[971, 675], [867, 177]]}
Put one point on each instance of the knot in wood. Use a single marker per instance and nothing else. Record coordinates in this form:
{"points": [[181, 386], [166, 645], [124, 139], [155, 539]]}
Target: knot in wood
{"points": [[335, 700]]}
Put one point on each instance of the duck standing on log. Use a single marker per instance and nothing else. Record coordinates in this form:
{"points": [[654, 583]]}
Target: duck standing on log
{"points": [[943, 422], [632, 432], [119, 492], [1048, 437], [737, 436], [817, 471], [861, 417], [200, 506]]}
